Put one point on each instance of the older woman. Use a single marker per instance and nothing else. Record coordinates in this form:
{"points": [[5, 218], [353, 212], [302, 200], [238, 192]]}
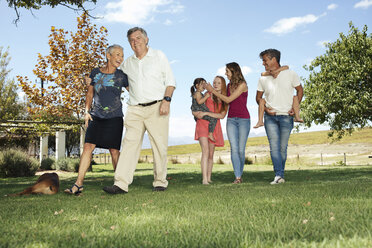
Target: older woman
{"points": [[103, 118], [218, 109], [238, 120]]}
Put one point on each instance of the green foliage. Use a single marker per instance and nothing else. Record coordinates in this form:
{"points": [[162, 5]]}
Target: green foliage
{"points": [[10, 108], [174, 160], [37, 4], [16, 163], [47, 164], [339, 88], [67, 164], [248, 160], [220, 161]]}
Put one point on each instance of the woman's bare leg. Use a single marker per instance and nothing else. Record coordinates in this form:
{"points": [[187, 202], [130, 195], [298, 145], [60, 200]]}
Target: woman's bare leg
{"points": [[85, 160], [114, 157]]}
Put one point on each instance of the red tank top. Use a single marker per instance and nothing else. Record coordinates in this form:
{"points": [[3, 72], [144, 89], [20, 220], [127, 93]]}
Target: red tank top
{"points": [[238, 107]]}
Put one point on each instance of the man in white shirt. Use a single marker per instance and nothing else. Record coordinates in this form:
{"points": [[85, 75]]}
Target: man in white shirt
{"points": [[278, 118], [151, 85]]}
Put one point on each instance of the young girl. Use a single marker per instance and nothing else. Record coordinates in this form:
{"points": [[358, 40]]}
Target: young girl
{"points": [[198, 100], [263, 103]]}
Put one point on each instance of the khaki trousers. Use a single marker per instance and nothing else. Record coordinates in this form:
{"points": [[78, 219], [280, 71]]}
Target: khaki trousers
{"points": [[139, 119]]}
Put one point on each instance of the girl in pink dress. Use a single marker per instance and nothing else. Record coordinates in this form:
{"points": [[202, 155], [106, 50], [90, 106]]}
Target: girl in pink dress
{"points": [[218, 109]]}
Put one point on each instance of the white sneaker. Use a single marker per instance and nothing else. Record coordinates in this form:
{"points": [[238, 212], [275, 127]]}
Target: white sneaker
{"points": [[278, 180]]}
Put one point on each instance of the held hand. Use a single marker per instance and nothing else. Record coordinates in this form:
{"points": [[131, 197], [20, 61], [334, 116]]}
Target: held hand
{"points": [[209, 87], [274, 73], [291, 112], [88, 80], [164, 108], [207, 94], [87, 118]]}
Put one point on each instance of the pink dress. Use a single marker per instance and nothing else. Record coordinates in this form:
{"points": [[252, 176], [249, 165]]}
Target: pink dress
{"points": [[201, 129]]}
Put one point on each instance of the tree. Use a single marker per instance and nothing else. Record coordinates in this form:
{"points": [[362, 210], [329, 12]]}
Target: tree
{"points": [[10, 108], [37, 4], [339, 88], [70, 59]]}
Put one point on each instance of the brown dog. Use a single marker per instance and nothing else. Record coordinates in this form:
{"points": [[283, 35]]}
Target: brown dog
{"points": [[47, 184]]}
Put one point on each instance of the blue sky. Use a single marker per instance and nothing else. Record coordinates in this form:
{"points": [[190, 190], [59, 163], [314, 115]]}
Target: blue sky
{"points": [[198, 37]]}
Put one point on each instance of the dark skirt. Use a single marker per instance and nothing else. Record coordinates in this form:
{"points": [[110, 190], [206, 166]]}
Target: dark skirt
{"points": [[105, 133]]}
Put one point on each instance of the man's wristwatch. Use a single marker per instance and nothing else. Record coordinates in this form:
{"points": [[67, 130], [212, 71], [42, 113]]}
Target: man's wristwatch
{"points": [[167, 98]]}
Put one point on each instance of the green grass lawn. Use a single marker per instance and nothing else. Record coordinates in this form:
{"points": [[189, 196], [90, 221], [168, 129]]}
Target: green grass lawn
{"points": [[316, 207]]}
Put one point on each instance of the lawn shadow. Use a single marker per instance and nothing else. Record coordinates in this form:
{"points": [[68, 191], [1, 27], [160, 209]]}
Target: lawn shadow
{"points": [[190, 179]]}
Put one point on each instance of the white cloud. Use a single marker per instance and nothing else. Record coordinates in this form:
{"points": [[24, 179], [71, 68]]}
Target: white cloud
{"points": [[364, 4], [332, 6], [136, 12], [168, 22], [174, 61], [221, 71], [322, 43], [287, 25], [245, 70]]}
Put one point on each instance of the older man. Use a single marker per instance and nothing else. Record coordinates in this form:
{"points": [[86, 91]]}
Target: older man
{"points": [[278, 116], [151, 85]]}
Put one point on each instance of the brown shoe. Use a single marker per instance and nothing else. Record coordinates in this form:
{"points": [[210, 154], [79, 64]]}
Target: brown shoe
{"points": [[237, 180]]}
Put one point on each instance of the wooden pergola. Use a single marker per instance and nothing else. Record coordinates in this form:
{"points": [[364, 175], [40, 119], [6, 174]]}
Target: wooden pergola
{"points": [[58, 127]]}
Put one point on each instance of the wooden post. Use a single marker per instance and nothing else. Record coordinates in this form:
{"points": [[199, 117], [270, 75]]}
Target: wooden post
{"points": [[255, 159], [344, 158]]}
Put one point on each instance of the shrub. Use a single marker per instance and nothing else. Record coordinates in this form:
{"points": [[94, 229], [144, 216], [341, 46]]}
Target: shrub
{"points": [[174, 160], [48, 164], [68, 164], [220, 161], [248, 160], [16, 163]]}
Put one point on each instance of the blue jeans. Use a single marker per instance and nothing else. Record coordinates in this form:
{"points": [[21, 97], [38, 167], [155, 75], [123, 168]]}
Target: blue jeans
{"points": [[278, 128], [237, 132]]}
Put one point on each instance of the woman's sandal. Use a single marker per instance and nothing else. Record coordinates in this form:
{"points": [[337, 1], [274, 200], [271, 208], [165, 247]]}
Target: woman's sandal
{"points": [[77, 192], [237, 180]]}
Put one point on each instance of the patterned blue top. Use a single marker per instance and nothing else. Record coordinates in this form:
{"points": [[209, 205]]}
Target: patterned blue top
{"points": [[107, 90]]}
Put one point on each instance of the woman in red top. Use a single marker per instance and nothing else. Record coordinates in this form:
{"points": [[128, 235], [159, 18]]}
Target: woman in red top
{"points": [[238, 122], [218, 109]]}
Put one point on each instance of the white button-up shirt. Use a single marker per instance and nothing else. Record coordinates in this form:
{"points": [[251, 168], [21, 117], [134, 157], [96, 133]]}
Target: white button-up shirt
{"points": [[148, 77]]}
